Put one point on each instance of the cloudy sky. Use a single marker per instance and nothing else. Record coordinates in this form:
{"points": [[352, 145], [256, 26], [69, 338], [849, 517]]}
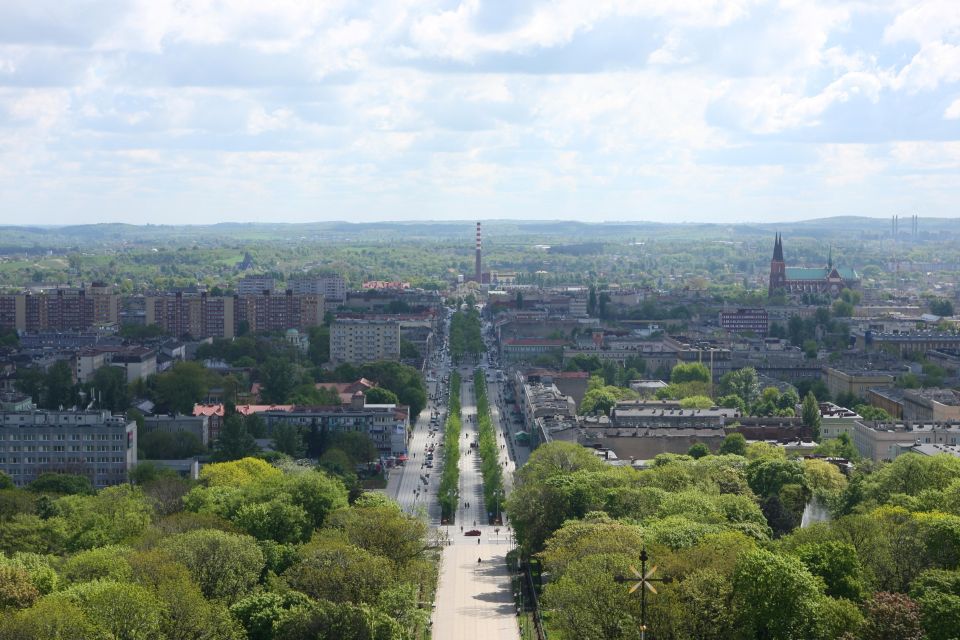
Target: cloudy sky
{"points": [[185, 111]]}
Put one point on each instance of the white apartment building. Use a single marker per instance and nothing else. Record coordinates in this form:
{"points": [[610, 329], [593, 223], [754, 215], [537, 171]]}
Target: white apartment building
{"points": [[255, 285], [332, 288], [356, 340]]}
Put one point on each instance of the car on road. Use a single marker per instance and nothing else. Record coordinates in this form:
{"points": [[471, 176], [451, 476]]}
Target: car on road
{"points": [[472, 532]]}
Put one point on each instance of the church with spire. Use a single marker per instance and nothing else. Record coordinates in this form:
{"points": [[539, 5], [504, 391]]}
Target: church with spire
{"points": [[830, 280]]}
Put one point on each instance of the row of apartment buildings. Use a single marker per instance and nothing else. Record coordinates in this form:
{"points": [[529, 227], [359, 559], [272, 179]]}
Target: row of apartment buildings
{"points": [[60, 309], [203, 315], [333, 288], [198, 314]]}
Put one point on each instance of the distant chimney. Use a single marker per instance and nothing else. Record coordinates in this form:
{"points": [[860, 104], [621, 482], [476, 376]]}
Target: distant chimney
{"points": [[479, 269]]}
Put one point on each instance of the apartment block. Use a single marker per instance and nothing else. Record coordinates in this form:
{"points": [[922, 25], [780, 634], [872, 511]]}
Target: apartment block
{"points": [[359, 340], [204, 316], [60, 309], [94, 444], [756, 321], [332, 288], [191, 314], [279, 312], [255, 285]]}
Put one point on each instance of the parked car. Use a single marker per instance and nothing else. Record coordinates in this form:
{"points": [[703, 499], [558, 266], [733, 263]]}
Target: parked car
{"points": [[472, 532]]}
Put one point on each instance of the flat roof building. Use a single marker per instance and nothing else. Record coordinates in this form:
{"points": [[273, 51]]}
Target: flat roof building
{"points": [[361, 340], [95, 444]]}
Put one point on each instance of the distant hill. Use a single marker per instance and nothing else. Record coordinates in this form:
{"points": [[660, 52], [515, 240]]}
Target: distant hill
{"points": [[496, 231]]}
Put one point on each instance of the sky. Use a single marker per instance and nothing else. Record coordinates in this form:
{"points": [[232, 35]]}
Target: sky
{"points": [[201, 111]]}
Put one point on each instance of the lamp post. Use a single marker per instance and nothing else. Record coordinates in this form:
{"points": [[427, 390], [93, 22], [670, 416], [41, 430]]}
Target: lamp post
{"points": [[643, 580]]}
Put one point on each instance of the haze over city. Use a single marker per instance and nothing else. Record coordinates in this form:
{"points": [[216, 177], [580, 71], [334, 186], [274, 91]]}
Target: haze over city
{"points": [[162, 111]]}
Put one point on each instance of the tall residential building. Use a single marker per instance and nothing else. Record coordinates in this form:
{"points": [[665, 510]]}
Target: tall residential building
{"points": [[94, 444], [332, 288], [191, 314], [255, 285], [359, 340], [61, 309], [280, 312]]}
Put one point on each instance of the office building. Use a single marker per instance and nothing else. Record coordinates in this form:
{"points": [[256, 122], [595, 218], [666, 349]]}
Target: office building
{"points": [[94, 444]]}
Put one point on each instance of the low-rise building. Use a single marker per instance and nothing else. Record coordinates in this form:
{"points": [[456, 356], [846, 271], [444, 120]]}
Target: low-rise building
{"points": [[656, 414], [529, 349], [198, 425], [137, 362], [836, 420], [855, 381], [931, 405], [538, 400], [387, 425], [94, 444], [885, 441]]}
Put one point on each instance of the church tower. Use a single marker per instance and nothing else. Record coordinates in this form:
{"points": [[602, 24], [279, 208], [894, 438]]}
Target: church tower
{"points": [[778, 268]]}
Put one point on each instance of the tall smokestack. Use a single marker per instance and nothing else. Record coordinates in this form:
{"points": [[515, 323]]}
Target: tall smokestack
{"points": [[479, 274]]}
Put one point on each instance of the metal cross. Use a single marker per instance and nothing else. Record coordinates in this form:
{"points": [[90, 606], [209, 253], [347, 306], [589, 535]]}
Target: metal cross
{"points": [[643, 580]]}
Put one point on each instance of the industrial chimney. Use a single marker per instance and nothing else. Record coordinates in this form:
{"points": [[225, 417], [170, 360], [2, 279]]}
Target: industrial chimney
{"points": [[479, 274]]}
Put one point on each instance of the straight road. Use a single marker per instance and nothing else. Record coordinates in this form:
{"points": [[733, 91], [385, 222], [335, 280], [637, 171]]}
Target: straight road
{"points": [[474, 595]]}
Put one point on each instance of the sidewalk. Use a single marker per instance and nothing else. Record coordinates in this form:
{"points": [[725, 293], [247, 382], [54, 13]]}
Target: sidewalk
{"points": [[475, 600]]}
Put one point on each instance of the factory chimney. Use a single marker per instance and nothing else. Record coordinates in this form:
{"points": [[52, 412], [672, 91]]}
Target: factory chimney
{"points": [[479, 274]]}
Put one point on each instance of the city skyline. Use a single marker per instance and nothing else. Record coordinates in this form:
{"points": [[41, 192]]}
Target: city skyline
{"points": [[164, 112]]}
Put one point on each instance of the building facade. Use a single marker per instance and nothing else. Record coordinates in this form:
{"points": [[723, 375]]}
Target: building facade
{"points": [[360, 340], [94, 444], [201, 315], [197, 425], [60, 309], [255, 285], [332, 288], [387, 425], [756, 321]]}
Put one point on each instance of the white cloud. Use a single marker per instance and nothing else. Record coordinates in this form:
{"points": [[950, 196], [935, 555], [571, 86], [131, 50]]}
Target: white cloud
{"points": [[934, 64], [925, 20], [953, 111], [848, 164], [406, 108]]}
